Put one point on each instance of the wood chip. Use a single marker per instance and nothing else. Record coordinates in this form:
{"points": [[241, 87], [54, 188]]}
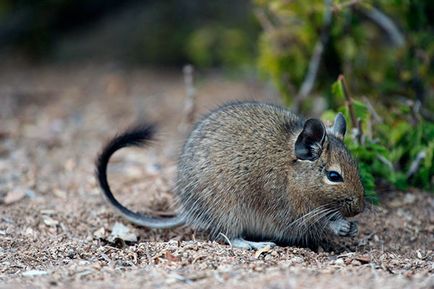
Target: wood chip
{"points": [[169, 256], [363, 259], [263, 250]]}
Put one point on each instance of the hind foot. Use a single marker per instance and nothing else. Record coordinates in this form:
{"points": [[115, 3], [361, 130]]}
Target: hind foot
{"points": [[344, 228], [250, 245]]}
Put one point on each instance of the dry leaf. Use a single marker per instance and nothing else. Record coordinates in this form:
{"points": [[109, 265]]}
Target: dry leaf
{"points": [[169, 256], [363, 259]]}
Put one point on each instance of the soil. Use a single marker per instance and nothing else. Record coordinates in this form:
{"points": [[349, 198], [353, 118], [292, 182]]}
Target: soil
{"points": [[57, 231]]}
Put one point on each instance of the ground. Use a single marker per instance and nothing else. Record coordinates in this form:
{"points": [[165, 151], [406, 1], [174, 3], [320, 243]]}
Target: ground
{"points": [[56, 230]]}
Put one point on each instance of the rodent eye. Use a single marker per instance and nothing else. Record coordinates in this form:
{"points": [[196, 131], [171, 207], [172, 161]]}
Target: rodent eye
{"points": [[334, 176]]}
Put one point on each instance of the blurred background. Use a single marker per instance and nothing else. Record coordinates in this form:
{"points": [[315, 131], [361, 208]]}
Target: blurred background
{"points": [[385, 47], [382, 50], [169, 33]]}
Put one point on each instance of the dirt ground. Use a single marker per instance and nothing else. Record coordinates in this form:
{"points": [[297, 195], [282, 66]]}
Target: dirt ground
{"points": [[56, 230]]}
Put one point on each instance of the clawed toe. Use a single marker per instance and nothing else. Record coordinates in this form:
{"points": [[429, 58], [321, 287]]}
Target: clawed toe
{"points": [[353, 229], [343, 228]]}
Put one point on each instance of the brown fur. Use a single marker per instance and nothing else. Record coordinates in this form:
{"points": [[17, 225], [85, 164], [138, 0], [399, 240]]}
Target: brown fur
{"points": [[238, 175]]}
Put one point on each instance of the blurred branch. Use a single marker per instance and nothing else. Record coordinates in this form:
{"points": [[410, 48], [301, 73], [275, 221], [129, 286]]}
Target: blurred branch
{"points": [[356, 123], [373, 115], [339, 6], [263, 19], [414, 167], [385, 161], [372, 111], [315, 60], [426, 114], [190, 100], [386, 23], [359, 132]]}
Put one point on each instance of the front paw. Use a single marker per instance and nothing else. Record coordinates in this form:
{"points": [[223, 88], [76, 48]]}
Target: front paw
{"points": [[344, 228]]}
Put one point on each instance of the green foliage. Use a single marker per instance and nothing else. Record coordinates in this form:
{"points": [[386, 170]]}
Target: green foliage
{"points": [[217, 45], [409, 143], [387, 48], [388, 150], [284, 50], [171, 32], [357, 46]]}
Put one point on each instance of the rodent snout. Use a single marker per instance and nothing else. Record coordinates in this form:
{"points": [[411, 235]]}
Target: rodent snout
{"points": [[353, 206]]}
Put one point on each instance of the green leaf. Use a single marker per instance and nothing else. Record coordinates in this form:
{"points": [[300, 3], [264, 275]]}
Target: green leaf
{"points": [[338, 91]]}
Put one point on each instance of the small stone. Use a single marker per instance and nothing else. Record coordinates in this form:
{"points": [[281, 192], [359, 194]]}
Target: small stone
{"points": [[120, 231], [34, 273], [50, 221], [297, 260], [100, 233], [59, 193], [48, 212], [409, 198], [14, 196], [29, 231], [340, 262]]}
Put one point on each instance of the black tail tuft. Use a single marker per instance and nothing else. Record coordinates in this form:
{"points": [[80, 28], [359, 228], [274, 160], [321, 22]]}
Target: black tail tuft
{"points": [[136, 136]]}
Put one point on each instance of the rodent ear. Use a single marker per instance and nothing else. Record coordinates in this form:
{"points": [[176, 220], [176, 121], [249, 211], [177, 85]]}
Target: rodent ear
{"points": [[309, 143], [339, 126]]}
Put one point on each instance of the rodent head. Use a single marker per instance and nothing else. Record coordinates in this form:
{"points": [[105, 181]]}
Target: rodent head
{"points": [[325, 170]]}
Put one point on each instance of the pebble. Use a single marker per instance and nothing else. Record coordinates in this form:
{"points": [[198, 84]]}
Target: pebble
{"points": [[34, 273]]}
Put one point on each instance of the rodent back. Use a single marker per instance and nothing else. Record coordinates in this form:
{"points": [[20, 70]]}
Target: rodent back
{"points": [[234, 167]]}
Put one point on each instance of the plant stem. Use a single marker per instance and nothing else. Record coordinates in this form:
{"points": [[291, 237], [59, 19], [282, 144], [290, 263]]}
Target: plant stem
{"points": [[348, 100], [355, 122]]}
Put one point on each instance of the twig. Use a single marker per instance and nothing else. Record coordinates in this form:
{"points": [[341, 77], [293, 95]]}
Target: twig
{"points": [[190, 103], [348, 100], [387, 24], [263, 20], [385, 161], [415, 110], [415, 164], [375, 116], [190, 99], [360, 138], [315, 60], [372, 111], [339, 6], [356, 123]]}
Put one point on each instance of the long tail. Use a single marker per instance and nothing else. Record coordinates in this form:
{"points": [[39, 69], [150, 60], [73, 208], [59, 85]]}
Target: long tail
{"points": [[136, 136]]}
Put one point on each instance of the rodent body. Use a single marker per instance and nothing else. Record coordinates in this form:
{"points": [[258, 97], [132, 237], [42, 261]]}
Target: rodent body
{"points": [[257, 172]]}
